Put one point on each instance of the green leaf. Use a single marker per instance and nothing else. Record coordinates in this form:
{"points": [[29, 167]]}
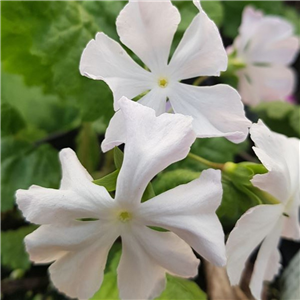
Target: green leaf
{"points": [[214, 10], [168, 180], [13, 254], [11, 120], [292, 15], [24, 165], [109, 181], [281, 117], [149, 193], [179, 288], [295, 120], [118, 157], [88, 148], [53, 36], [46, 113], [234, 204], [218, 150]]}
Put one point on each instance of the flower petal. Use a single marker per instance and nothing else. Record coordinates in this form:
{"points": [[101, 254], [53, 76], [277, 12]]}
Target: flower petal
{"points": [[189, 211], [50, 242], [139, 276], [200, 52], [158, 142], [272, 41], [73, 173], [169, 251], [265, 83], [267, 263], [147, 28], [116, 132], [75, 246], [104, 59], [280, 155], [291, 229], [78, 197], [248, 233], [217, 110], [280, 52]]}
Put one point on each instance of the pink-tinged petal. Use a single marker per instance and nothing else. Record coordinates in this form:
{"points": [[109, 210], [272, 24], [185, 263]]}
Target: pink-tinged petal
{"points": [[147, 28], [169, 251], [200, 52], [266, 39], [249, 92], [104, 59], [217, 110], [266, 83], [273, 42], [280, 155], [152, 144], [116, 132], [139, 276], [281, 52], [78, 197], [267, 264], [248, 233], [189, 211], [251, 21]]}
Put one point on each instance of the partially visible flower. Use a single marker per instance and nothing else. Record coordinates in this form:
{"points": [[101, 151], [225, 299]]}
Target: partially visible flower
{"points": [[267, 46], [147, 28], [78, 245], [291, 99], [267, 223]]}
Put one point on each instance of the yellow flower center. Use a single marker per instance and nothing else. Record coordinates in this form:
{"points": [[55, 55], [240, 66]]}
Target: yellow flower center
{"points": [[163, 82], [125, 216]]}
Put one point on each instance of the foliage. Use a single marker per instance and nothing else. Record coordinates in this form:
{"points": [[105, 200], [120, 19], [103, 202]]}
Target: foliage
{"points": [[281, 117], [13, 254], [24, 165], [47, 105]]}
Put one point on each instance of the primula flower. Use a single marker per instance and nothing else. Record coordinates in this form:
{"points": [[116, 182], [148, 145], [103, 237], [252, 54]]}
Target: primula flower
{"points": [[147, 28], [266, 45], [78, 246], [267, 223]]}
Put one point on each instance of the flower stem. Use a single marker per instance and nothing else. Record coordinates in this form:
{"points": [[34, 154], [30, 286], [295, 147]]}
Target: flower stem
{"points": [[205, 161], [199, 80]]}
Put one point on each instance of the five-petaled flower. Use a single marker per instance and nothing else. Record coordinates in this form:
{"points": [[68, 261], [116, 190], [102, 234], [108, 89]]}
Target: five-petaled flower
{"points": [[147, 28], [266, 223], [266, 45], [79, 247]]}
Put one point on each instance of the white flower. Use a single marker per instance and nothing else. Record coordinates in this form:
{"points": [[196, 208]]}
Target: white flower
{"points": [[79, 248], [147, 28], [267, 45], [267, 223]]}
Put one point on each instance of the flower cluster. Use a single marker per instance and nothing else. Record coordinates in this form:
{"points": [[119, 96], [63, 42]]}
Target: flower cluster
{"points": [[81, 220]]}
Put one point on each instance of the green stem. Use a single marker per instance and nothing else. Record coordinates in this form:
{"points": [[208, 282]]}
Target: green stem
{"points": [[205, 161], [199, 80]]}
